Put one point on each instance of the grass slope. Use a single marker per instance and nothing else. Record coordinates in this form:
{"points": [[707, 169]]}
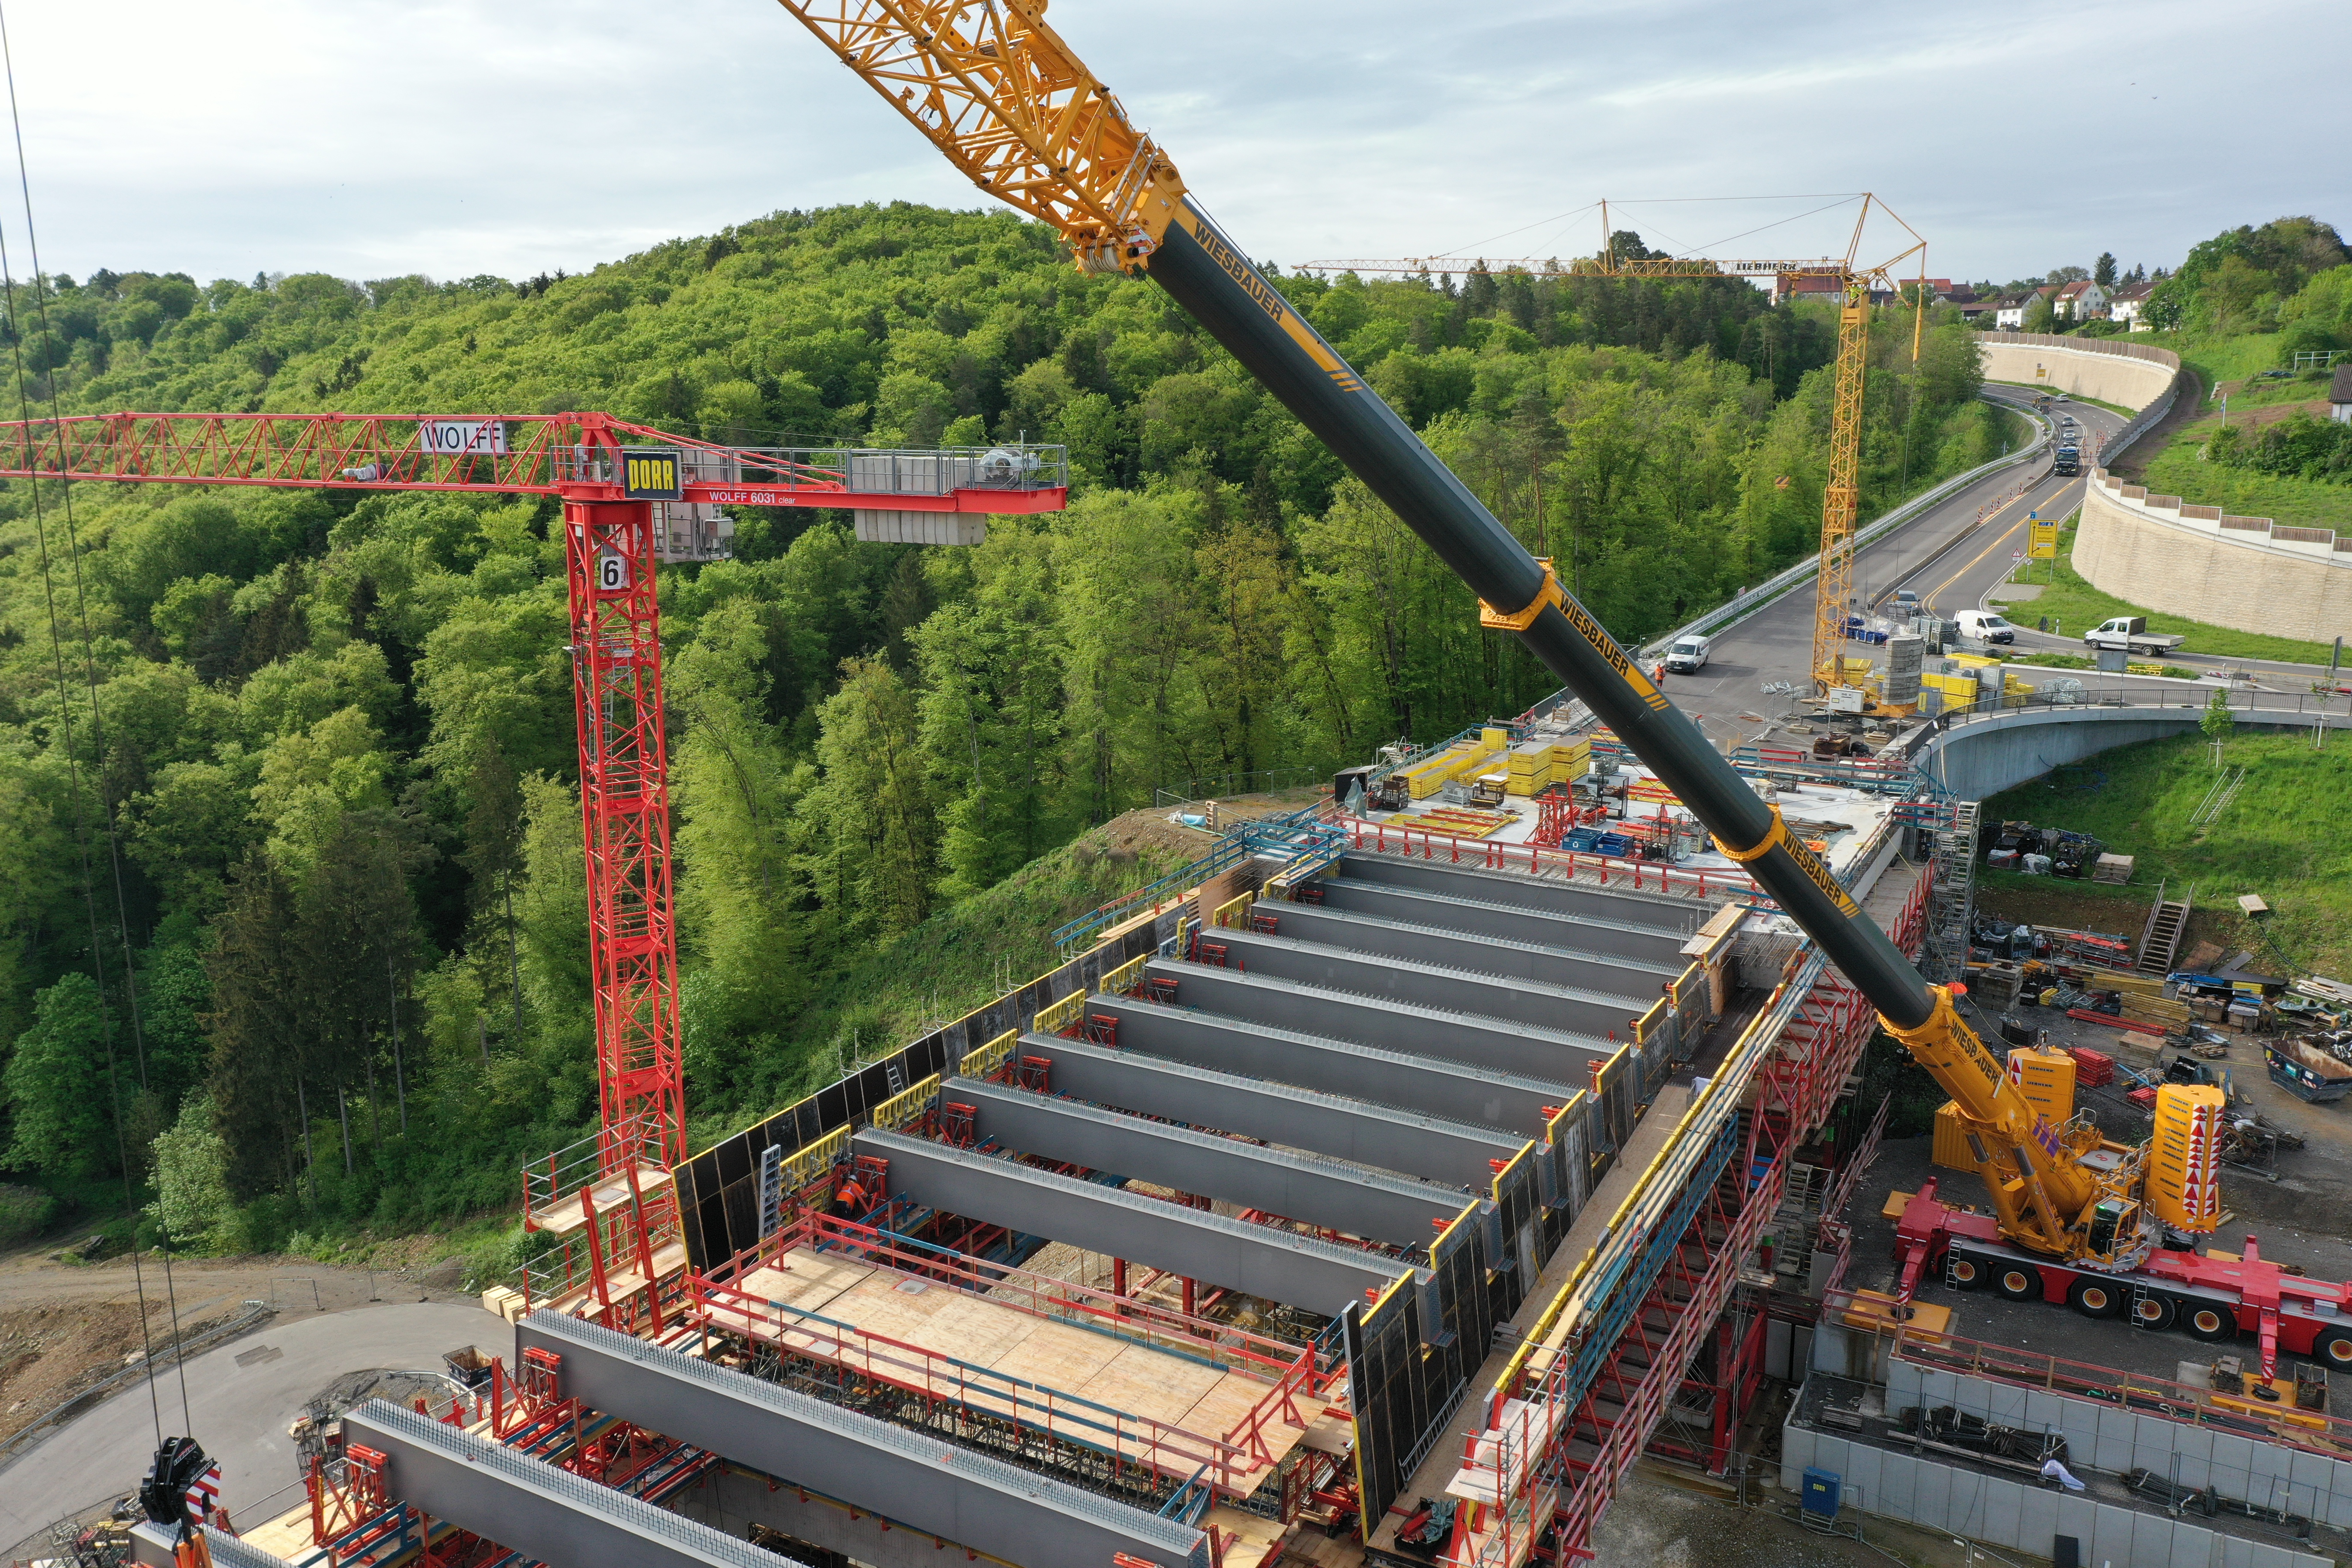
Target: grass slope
{"points": [[2075, 606], [2281, 838], [966, 954]]}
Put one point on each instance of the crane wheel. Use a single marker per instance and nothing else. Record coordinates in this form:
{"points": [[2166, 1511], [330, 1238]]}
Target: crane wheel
{"points": [[2096, 1298], [2333, 1350], [2018, 1281], [1967, 1273], [2155, 1313], [2210, 1324]]}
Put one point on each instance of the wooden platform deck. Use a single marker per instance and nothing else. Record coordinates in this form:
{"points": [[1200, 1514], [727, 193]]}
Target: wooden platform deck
{"points": [[566, 1215], [952, 1345]]}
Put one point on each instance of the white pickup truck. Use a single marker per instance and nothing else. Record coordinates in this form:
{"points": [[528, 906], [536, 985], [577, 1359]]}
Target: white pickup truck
{"points": [[2129, 634]]}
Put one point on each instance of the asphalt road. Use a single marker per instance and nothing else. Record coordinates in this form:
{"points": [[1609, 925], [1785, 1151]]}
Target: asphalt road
{"points": [[1948, 557], [240, 1411]]}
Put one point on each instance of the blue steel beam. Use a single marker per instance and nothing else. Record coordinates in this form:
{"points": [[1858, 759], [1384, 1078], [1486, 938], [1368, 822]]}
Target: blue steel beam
{"points": [[1349, 1199], [1523, 955], [1453, 1086], [1345, 1128], [919, 1479], [1552, 1054], [1256, 1259], [1481, 917]]}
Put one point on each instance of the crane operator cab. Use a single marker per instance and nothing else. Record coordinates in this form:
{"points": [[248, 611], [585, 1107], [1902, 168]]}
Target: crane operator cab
{"points": [[1687, 656]]}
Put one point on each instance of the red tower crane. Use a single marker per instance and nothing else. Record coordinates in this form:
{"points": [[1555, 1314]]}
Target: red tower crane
{"points": [[632, 497]]}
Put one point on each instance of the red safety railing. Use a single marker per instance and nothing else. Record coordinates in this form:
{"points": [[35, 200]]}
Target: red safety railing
{"points": [[1392, 838], [1220, 1345], [1162, 1447]]}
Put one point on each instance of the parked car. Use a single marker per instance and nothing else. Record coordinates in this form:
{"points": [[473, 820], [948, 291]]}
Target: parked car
{"points": [[1905, 602], [1984, 625]]}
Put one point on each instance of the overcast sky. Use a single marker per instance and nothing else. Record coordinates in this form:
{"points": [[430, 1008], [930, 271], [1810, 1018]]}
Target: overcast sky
{"points": [[369, 138]]}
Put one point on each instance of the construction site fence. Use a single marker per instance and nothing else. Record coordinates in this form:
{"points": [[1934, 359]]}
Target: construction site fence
{"points": [[718, 1195], [1230, 851]]}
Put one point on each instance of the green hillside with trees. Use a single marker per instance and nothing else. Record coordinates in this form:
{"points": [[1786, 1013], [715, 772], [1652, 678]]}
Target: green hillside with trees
{"points": [[337, 972]]}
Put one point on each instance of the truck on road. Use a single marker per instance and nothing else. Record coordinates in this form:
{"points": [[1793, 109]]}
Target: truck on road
{"points": [[2130, 634]]}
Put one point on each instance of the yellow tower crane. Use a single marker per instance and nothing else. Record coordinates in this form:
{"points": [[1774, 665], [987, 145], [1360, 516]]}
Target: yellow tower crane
{"points": [[1853, 282]]}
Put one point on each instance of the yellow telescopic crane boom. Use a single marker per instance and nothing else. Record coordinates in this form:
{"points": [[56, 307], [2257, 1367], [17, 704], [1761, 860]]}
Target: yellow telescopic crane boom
{"points": [[1001, 94]]}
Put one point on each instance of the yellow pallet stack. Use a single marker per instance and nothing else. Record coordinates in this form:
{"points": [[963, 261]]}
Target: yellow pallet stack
{"points": [[1463, 759], [1958, 691], [1530, 768]]}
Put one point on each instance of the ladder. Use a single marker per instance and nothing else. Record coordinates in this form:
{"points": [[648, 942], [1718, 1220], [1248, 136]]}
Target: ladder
{"points": [[2160, 940]]}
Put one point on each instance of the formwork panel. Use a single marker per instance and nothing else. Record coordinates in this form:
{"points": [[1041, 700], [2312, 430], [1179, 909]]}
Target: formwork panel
{"points": [[2194, 1444], [1898, 1486], [2117, 1430], [2153, 1537], [2037, 1521], [2111, 1533]]}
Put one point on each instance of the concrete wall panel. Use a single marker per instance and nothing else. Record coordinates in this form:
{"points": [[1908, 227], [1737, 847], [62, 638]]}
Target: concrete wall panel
{"points": [[2037, 1521], [2120, 378], [1898, 1479]]}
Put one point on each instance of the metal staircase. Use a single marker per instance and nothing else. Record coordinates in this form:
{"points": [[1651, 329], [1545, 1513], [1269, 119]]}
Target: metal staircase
{"points": [[2160, 940], [1952, 895]]}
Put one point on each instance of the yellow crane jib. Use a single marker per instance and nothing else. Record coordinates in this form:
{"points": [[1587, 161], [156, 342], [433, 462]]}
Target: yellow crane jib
{"points": [[1007, 101]]}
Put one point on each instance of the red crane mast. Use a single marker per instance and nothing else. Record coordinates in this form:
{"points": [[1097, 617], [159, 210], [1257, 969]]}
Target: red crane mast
{"points": [[632, 495]]}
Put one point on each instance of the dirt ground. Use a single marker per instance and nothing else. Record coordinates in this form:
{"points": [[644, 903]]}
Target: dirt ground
{"points": [[64, 1327], [1153, 828]]}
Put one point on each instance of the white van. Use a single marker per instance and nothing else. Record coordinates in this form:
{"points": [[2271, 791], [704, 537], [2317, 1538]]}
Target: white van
{"points": [[1984, 625], [1687, 656]]}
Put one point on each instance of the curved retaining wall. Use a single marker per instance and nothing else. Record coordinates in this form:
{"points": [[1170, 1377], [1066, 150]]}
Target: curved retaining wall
{"points": [[2244, 572], [2113, 370], [1983, 756]]}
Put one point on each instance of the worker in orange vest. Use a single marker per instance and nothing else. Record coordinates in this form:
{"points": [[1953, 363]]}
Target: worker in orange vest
{"points": [[849, 1199], [1658, 673]]}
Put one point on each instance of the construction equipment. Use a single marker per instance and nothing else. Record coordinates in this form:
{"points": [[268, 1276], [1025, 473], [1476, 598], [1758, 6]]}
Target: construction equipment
{"points": [[632, 497], [1851, 280], [995, 88]]}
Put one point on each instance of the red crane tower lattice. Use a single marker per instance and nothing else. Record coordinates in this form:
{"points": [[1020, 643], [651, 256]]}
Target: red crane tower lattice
{"points": [[632, 497]]}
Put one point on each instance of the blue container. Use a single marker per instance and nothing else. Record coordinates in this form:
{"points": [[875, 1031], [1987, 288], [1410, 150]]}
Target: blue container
{"points": [[1613, 844], [1578, 838], [1821, 1495]]}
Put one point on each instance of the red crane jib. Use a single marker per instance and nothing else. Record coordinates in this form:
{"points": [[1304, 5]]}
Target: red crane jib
{"points": [[577, 456], [610, 474]]}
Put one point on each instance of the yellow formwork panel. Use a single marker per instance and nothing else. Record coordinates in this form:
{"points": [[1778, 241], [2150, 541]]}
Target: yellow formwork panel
{"points": [[2184, 1184]]}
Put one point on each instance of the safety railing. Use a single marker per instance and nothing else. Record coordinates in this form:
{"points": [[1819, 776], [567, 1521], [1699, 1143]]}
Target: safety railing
{"points": [[633, 1140], [1641, 876], [1230, 851], [1057, 1415]]}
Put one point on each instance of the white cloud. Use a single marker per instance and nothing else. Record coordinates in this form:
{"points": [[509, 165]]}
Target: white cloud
{"points": [[369, 138]]}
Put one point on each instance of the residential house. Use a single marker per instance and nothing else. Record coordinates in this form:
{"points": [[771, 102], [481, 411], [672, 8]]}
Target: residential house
{"points": [[1827, 287], [2126, 302], [2009, 310], [2081, 301], [2339, 394]]}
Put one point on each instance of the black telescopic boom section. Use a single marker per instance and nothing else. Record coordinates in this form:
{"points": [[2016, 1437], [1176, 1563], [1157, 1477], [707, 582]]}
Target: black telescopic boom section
{"points": [[1203, 272]]}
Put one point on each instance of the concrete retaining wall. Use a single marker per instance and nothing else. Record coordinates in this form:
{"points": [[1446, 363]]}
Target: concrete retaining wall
{"points": [[2022, 1518], [2100, 1438], [2193, 561], [2109, 369]]}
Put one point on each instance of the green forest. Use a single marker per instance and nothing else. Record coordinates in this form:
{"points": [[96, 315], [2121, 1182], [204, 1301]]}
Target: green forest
{"points": [[294, 905]]}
